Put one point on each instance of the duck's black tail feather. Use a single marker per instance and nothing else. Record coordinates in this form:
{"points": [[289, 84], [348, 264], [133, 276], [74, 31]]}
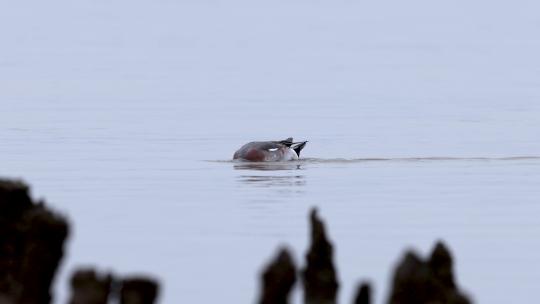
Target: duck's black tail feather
{"points": [[298, 147]]}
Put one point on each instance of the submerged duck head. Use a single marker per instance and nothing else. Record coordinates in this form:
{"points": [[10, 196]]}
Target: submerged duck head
{"points": [[270, 151]]}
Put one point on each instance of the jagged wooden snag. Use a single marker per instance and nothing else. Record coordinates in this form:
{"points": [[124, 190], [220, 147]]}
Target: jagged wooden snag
{"points": [[432, 281], [319, 276], [363, 295], [278, 279], [138, 290], [88, 287], [31, 245]]}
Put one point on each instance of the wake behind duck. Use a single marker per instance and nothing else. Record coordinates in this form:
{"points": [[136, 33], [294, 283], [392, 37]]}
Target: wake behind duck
{"points": [[270, 151]]}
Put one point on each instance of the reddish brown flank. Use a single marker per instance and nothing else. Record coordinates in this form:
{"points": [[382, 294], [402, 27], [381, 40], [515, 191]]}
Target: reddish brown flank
{"points": [[254, 155]]}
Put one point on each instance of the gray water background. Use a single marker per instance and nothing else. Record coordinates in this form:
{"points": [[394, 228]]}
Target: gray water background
{"points": [[123, 116]]}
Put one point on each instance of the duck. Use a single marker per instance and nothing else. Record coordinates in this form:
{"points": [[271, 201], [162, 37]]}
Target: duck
{"points": [[270, 151]]}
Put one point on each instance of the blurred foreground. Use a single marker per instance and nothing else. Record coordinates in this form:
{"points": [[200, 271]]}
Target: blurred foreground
{"points": [[32, 247]]}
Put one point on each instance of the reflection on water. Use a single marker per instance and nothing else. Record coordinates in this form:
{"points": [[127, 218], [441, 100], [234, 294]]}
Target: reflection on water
{"points": [[273, 181], [274, 174], [269, 166]]}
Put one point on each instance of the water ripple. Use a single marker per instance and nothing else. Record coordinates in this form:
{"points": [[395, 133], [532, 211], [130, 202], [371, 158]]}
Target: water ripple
{"points": [[291, 165]]}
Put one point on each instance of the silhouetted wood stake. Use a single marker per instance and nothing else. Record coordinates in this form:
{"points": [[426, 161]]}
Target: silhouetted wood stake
{"points": [[440, 264], [87, 287], [319, 276], [138, 290], [432, 281], [363, 295], [278, 279], [31, 245]]}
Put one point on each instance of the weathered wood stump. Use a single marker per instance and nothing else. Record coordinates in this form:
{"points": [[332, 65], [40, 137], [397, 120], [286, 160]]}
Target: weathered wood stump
{"points": [[278, 279], [138, 290], [319, 276], [89, 287], [31, 245], [363, 295], [432, 281]]}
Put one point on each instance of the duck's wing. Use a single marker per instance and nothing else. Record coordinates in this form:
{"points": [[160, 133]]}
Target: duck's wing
{"points": [[269, 145]]}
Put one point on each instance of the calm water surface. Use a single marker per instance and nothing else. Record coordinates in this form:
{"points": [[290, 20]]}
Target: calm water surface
{"points": [[420, 128]]}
